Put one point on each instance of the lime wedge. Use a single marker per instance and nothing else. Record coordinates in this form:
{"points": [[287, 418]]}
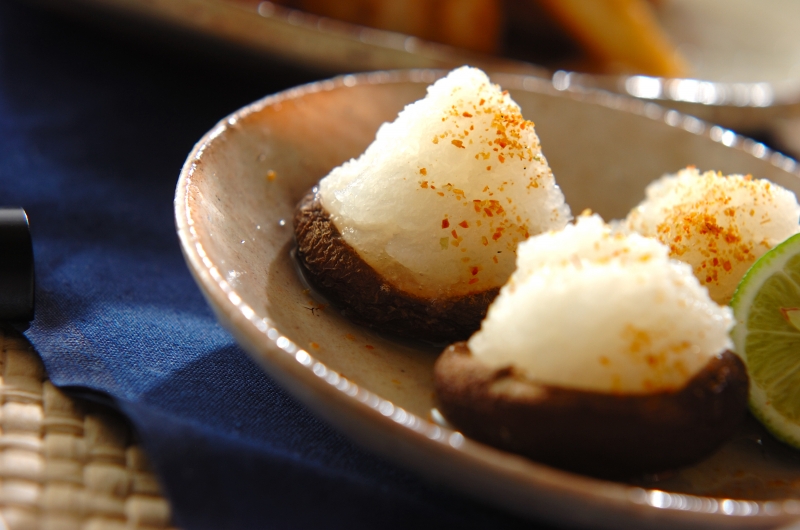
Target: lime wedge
{"points": [[766, 336]]}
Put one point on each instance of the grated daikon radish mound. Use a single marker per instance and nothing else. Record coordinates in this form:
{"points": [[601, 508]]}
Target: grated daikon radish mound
{"points": [[717, 224], [439, 201], [592, 309]]}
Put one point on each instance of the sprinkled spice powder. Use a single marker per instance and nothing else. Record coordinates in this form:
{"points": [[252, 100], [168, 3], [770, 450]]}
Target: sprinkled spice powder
{"points": [[717, 224]]}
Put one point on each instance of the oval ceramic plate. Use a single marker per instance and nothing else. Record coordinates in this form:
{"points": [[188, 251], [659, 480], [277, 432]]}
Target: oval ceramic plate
{"points": [[234, 206]]}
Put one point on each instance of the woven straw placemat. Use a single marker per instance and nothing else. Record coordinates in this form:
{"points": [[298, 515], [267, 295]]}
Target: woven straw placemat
{"points": [[66, 463]]}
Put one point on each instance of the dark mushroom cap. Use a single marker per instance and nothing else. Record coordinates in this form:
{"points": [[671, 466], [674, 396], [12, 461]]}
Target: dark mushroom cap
{"points": [[602, 434], [336, 270]]}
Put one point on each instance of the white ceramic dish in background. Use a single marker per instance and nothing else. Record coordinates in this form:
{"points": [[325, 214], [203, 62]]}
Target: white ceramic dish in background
{"points": [[234, 205], [744, 60]]}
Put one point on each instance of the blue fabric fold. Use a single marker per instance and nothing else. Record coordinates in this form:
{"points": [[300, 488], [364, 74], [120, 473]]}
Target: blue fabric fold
{"points": [[94, 128]]}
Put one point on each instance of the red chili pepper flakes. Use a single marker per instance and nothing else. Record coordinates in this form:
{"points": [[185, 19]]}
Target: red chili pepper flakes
{"points": [[466, 114], [474, 270], [482, 101], [350, 336], [369, 346], [455, 235], [458, 143], [314, 345], [488, 212], [488, 168], [484, 241], [494, 258], [445, 223], [473, 280], [501, 158], [463, 224]]}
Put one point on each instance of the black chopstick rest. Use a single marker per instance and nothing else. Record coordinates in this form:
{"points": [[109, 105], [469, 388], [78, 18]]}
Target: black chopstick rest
{"points": [[16, 267]]}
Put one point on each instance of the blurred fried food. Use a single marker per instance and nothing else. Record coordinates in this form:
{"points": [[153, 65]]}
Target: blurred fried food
{"points": [[622, 35], [614, 36], [469, 24]]}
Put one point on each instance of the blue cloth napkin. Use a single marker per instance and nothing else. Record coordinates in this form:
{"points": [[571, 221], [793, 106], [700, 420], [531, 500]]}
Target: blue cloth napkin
{"points": [[94, 128]]}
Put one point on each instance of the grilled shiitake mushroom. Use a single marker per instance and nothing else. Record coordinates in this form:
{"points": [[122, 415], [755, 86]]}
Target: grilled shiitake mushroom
{"points": [[416, 236]]}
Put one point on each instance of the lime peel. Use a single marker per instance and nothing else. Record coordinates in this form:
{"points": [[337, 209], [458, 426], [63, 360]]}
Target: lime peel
{"points": [[766, 336]]}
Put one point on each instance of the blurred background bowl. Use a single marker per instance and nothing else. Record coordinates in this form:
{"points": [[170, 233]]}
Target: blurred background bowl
{"points": [[735, 63]]}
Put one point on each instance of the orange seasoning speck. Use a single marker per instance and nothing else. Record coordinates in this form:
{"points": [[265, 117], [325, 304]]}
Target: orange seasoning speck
{"points": [[350, 336], [423, 184], [463, 224], [458, 143], [423, 171], [314, 345], [369, 346], [473, 280], [455, 235], [466, 114], [271, 175]]}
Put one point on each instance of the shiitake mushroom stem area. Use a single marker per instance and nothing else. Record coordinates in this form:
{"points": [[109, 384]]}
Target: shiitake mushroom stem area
{"points": [[601, 434], [336, 270]]}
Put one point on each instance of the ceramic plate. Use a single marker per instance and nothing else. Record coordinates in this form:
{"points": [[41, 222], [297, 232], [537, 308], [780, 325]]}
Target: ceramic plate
{"points": [[234, 205]]}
